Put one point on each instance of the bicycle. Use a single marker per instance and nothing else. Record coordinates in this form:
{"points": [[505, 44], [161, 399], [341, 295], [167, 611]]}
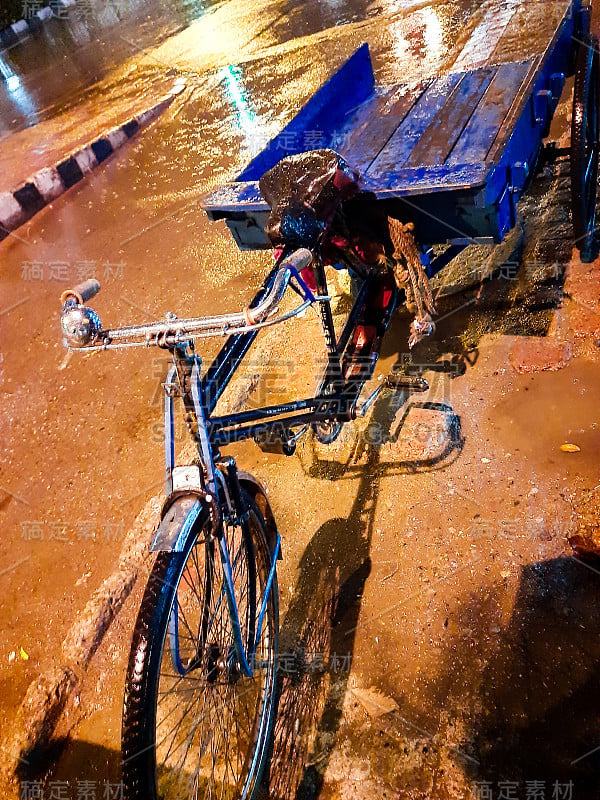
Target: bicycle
{"points": [[200, 695]]}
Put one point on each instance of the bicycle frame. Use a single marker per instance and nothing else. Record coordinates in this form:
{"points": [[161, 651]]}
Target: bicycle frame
{"points": [[187, 366], [335, 400], [338, 405]]}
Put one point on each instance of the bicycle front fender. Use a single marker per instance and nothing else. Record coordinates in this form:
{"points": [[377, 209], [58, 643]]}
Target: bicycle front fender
{"points": [[180, 513], [182, 509]]}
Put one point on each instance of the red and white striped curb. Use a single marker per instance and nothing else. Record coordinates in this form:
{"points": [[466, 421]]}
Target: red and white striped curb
{"points": [[47, 184]]}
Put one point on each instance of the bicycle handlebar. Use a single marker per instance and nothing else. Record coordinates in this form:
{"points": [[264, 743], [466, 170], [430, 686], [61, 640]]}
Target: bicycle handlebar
{"points": [[82, 327], [297, 261]]}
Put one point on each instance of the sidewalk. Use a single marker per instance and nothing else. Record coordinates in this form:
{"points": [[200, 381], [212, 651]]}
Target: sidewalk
{"points": [[51, 140]]}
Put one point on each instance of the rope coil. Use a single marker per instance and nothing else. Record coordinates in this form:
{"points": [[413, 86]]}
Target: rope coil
{"points": [[411, 277]]}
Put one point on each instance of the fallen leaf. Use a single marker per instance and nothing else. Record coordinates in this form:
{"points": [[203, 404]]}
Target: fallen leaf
{"points": [[375, 703], [570, 448], [24, 655]]}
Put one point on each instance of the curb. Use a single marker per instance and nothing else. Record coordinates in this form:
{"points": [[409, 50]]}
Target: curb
{"points": [[20, 205], [22, 28], [47, 696]]}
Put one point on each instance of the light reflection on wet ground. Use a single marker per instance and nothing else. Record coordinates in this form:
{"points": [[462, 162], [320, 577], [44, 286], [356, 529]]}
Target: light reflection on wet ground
{"points": [[203, 52], [452, 655]]}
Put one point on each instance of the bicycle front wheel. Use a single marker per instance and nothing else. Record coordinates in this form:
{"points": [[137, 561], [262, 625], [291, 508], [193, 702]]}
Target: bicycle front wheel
{"points": [[194, 725]]}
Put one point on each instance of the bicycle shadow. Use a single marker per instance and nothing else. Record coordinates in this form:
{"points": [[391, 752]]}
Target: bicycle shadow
{"points": [[426, 437], [316, 653], [318, 632]]}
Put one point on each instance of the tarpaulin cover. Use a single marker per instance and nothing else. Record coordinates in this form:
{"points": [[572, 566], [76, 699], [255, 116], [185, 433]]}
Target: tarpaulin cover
{"points": [[304, 192]]}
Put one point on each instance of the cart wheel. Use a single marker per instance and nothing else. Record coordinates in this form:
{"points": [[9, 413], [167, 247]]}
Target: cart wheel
{"points": [[585, 126]]}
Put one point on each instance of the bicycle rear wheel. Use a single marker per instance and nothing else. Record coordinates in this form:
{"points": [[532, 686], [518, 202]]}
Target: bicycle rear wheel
{"points": [[193, 724]]}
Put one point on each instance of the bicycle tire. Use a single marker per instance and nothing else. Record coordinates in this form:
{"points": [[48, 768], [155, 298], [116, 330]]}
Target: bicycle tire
{"points": [[225, 741], [585, 128]]}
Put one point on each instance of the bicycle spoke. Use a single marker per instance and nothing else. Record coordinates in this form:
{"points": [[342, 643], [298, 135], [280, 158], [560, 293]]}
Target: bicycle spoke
{"points": [[190, 741]]}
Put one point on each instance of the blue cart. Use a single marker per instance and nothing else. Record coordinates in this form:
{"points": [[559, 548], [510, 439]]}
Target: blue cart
{"points": [[453, 153]]}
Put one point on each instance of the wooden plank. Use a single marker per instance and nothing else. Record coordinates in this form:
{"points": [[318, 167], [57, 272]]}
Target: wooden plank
{"points": [[407, 134], [484, 38], [482, 129], [368, 130], [531, 31], [407, 181], [445, 129]]}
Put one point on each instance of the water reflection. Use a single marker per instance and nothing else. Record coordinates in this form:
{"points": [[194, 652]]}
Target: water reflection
{"points": [[432, 32], [236, 94], [254, 129], [420, 36], [17, 94], [79, 46]]}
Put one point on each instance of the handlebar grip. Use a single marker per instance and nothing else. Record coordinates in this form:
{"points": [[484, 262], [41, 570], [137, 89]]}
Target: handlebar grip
{"points": [[82, 292]]}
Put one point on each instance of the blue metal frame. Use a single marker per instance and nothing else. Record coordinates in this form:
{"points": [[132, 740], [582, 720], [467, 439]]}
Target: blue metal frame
{"points": [[234, 613], [169, 421]]}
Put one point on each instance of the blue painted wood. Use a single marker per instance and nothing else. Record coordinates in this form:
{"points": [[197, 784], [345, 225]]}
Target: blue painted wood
{"points": [[426, 180], [245, 195], [399, 147], [326, 112], [235, 196]]}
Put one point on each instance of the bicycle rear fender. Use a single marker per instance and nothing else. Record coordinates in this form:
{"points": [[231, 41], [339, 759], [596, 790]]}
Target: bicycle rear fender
{"points": [[182, 509]]}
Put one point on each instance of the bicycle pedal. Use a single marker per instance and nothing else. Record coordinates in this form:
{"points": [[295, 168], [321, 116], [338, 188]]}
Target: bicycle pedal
{"points": [[271, 441], [411, 383]]}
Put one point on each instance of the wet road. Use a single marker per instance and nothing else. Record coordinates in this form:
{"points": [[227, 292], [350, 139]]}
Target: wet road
{"points": [[81, 450]]}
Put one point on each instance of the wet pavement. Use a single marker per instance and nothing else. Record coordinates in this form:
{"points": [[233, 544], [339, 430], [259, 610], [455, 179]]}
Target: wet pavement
{"points": [[449, 635]]}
